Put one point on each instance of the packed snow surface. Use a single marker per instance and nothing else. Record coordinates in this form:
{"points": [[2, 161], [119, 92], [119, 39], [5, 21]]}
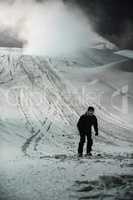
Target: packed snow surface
{"points": [[41, 100]]}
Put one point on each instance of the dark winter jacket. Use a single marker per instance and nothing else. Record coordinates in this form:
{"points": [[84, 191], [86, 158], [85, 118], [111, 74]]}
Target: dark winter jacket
{"points": [[85, 124]]}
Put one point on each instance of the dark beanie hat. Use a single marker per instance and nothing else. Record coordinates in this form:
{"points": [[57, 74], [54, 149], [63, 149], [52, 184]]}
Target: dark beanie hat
{"points": [[91, 108]]}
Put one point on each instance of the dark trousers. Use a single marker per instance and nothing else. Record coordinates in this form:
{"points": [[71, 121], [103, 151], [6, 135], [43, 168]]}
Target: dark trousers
{"points": [[82, 141]]}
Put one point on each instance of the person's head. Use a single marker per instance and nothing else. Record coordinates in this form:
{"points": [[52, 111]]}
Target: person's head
{"points": [[90, 111]]}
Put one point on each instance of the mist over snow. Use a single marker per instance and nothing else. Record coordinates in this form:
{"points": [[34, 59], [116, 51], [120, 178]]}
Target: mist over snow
{"points": [[49, 27]]}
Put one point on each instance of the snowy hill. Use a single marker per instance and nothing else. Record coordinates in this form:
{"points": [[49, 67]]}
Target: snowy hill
{"points": [[41, 100]]}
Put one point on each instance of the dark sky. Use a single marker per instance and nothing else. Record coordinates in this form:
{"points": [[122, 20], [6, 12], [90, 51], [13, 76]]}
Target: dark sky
{"points": [[112, 19]]}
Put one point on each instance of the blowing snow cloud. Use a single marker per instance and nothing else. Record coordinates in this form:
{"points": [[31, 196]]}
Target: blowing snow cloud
{"points": [[47, 27]]}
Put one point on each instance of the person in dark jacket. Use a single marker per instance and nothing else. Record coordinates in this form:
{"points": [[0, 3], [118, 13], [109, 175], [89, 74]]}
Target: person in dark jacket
{"points": [[84, 126]]}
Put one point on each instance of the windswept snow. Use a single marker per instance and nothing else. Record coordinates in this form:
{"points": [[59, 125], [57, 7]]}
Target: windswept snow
{"points": [[126, 53], [41, 101]]}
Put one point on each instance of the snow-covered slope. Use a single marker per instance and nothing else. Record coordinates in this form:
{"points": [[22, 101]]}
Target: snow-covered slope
{"points": [[110, 86], [42, 104], [126, 53], [34, 104], [41, 100]]}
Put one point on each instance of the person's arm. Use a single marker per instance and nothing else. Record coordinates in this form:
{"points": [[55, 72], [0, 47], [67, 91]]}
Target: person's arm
{"points": [[96, 126], [79, 124]]}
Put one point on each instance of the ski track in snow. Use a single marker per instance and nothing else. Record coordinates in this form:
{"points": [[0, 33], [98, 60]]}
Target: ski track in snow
{"points": [[46, 166]]}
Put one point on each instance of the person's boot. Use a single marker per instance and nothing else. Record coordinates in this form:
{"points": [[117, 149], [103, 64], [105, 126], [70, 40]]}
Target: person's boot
{"points": [[89, 154], [80, 155]]}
